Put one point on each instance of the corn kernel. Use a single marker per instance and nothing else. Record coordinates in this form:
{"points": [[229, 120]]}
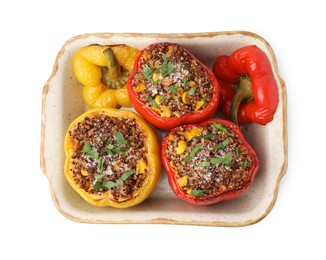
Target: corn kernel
{"points": [[165, 112], [184, 97], [145, 56], [172, 164], [140, 88], [84, 173], [199, 104], [183, 181], [181, 147], [169, 52], [157, 76], [193, 132], [141, 166], [189, 191], [192, 83], [171, 137], [158, 99]]}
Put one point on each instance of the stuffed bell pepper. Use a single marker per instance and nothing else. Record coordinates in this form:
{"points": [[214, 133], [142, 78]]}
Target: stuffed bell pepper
{"points": [[248, 87], [208, 162], [170, 87], [112, 157], [103, 71]]}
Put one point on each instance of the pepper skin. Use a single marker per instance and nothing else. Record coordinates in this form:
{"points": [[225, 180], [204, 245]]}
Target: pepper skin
{"points": [[153, 164], [103, 71], [248, 87], [167, 122], [223, 190]]}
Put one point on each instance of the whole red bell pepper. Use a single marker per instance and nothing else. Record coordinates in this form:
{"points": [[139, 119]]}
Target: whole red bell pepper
{"points": [[248, 87], [208, 162], [169, 86]]}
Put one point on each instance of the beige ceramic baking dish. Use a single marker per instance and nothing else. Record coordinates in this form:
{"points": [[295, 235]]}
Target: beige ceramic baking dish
{"points": [[63, 102]]}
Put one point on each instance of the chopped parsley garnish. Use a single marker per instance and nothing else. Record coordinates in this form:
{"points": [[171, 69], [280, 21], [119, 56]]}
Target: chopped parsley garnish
{"points": [[114, 150], [88, 150], [98, 177], [147, 71], [245, 164], [110, 184], [205, 98], [198, 193], [226, 160], [120, 139], [193, 153], [192, 91], [173, 89], [100, 163], [186, 83], [208, 136], [87, 147], [222, 144], [167, 66], [162, 99], [127, 174], [220, 127], [153, 102], [204, 164]]}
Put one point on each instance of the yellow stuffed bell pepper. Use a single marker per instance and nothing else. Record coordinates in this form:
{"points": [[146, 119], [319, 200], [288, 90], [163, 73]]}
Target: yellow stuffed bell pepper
{"points": [[112, 157], [103, 71]]}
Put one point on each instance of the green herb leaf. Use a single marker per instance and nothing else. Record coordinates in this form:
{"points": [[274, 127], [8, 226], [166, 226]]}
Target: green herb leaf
{"points": [[162, 99], [93, 154], [114, 150], [153, 102], [226, 160], [220, 128], [100, 163], [204, 164], [208, 136], [186, 83], [245, 164], [120, 139], [119, 182], [147, 73], [192, 91], [198, 193], [193, 153], [127, 174], [173, 89], [98, 186], [205, 98], [88, 151], [167, 66], [98, 177], [110, 184], [222, 144], [87, 147]]}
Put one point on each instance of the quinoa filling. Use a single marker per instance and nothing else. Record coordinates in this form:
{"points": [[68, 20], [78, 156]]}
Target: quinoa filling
{"points": [[108, 156], [171, 82], [208, 160]]}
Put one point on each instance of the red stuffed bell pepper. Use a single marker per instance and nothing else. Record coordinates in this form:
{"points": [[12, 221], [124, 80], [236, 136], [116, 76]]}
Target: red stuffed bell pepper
{"points": [[248, 87], [170, 87], [208, 162]]}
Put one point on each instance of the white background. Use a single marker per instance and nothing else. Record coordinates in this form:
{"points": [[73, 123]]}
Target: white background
{"points": [[31, 35]]}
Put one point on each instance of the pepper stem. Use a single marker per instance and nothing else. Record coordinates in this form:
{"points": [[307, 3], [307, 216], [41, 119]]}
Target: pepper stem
{"points": [[113, 76], [114, 68], [243, 93]]}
